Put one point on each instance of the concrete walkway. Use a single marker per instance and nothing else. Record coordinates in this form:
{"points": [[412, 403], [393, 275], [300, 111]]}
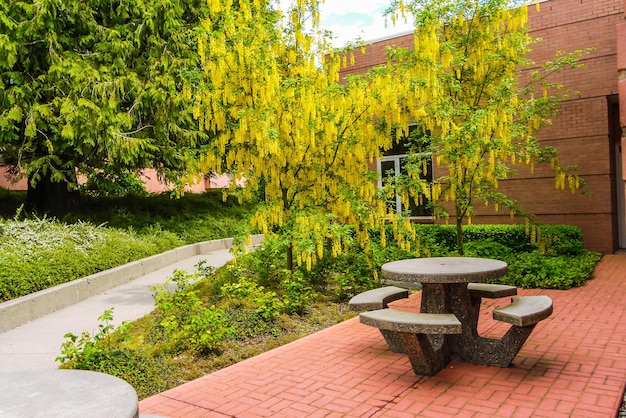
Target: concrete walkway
{"points": [[573, 365], [36, 344]]}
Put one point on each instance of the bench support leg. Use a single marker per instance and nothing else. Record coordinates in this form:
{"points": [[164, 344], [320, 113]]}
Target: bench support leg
{"points": [[472, 347], [393, 340], [494, 352], [424, 359]]}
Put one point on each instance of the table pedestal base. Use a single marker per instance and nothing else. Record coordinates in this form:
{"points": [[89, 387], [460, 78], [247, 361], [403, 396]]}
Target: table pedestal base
{"points": [[427, 357], [471, 347]]}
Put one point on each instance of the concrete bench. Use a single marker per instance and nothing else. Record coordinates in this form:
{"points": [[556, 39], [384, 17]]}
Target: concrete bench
{"points": [[523, 314], [478, 291], [491, 291], [427, 356], [417, 323], [524, 310], [377, 298]]}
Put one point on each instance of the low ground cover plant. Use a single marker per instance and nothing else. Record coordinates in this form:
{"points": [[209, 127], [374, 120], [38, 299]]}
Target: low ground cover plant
{"points": [[218, 317], [37, 252]]}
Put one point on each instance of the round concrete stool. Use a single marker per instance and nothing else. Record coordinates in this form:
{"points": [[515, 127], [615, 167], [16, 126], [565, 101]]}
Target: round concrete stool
{"points": [[66, 393]]}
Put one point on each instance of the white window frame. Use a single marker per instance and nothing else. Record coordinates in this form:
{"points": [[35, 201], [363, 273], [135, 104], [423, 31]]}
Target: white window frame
{"points": [[397, 167]]}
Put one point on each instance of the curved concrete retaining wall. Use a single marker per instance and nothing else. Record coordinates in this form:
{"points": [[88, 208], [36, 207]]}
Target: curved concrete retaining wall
{"points": [[19, 311]]}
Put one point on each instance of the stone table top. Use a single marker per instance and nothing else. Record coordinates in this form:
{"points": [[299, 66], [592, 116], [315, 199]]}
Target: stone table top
{"points": [[444, 270], [66, 393]]}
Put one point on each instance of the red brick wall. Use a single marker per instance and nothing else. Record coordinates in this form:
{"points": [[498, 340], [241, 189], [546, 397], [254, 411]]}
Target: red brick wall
{"points": [[580, 131]]}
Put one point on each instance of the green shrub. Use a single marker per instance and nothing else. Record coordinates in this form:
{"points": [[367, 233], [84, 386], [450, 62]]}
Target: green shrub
{"points": [[538, 270], [36, 254], [84, 351], [185, 319], [514, 237], [560, 239], [487, 248], [297, 293], [112, 182]]}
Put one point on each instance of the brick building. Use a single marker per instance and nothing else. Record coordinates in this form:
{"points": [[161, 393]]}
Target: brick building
{"points": [[587, 130]]}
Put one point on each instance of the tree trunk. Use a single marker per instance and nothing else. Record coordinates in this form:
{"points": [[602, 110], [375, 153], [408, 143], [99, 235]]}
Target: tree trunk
{"points": [[290, 257], [51, 198], [459, 235]]}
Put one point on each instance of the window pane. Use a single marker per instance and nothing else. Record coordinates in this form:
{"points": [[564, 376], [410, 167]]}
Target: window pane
{"points": [[387, 169], [415, 142]]}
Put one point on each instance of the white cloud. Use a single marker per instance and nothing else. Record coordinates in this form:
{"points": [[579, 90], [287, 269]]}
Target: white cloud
{"points": [[349, 20], [352, 19]]}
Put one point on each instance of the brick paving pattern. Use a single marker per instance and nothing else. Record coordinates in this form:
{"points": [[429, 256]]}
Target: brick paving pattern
{"points": [[573, 365]]}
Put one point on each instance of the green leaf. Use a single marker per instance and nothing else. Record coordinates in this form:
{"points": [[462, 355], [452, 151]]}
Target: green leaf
{"points": [[67, 132]]}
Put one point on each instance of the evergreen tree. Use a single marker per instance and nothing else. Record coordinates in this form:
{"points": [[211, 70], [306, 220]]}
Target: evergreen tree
{"points": [[92, 84]]}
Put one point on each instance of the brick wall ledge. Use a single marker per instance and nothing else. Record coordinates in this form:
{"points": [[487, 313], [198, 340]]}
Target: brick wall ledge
{"points": [[16, 312]]}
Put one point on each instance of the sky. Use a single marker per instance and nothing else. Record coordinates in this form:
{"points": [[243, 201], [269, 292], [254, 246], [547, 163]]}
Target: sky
{"points": [[350, 19]]}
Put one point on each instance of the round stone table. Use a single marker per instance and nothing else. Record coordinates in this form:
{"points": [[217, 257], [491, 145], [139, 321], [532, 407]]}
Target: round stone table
{"points": [[444, 282], [66, 393], [443, 270]]}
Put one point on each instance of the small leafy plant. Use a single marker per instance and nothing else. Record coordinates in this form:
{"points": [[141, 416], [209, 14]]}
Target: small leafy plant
{"points": [[185, 319], [82, 352]]}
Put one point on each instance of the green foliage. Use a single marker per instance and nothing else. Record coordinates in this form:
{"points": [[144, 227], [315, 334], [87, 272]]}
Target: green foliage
{"points": [[89, 84], [111, 183], [192, 217], [559, 239], [488, 248], [84, 351], [549, 239], [104, 352], [36, 254], [547, 256], [538, 270], [244, 292], [297, 292], [185, 319]]}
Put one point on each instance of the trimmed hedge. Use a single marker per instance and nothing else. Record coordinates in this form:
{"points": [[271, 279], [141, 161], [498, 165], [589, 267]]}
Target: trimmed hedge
{"points": [[552, 239]]}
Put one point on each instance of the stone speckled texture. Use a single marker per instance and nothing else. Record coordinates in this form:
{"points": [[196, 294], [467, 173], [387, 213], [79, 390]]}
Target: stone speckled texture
{"points": [[444, 270], [421, 336], [66, 393], [377, 298], [424, 323], [525, 310]]}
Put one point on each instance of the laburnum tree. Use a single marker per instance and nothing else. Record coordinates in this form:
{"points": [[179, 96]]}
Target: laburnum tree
{"points": [[283, 122], [95, 85], [467, 83]]}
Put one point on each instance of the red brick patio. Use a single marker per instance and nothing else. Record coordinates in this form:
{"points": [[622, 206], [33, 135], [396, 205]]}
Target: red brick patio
{"points": [[573, 365]]}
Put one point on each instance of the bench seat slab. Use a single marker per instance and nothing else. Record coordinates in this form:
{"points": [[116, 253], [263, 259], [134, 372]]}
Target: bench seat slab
{"points": [[524, 310], [491, 291], [416, 323], [377, 298]]}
